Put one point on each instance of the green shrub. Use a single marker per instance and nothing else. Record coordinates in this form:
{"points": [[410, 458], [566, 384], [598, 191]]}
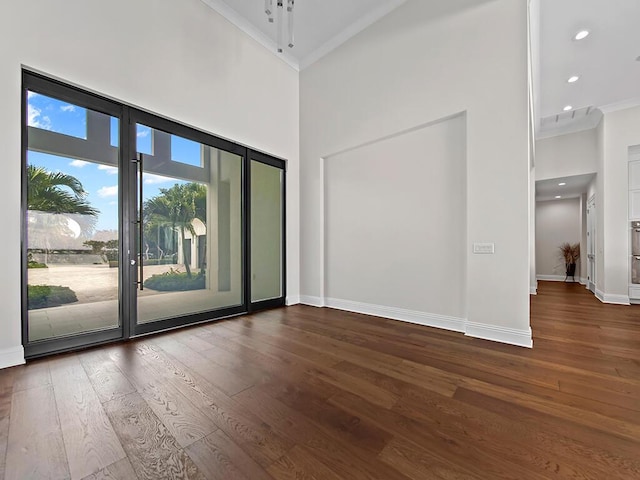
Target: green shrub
{"points": [[174, 281], [31, 263], [42, 296], [34, 264]]}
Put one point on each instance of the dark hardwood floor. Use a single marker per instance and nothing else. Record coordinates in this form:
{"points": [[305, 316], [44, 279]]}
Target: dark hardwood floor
{"points": [[306, 393]]}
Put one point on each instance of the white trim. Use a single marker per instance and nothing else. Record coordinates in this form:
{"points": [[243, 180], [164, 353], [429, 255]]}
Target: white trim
{"points": [[533, 291], [221, 7], [616, 299], [612, 298], [247, 27], [555, 278], [583, 281], [313, 301], [292, 300], [512, 336], [10, 357], [623, 105], [351, 31], [411, 316]]}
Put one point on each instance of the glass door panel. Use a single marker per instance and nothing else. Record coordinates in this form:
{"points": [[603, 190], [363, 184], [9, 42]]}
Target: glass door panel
{"points": [[190, 257], [267, 245], [72, 218]]}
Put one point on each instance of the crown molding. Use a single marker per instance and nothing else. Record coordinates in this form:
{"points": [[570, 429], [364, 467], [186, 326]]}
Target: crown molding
{"points": [[622, 105], [581, 125], [349, 32], [247, 27]]}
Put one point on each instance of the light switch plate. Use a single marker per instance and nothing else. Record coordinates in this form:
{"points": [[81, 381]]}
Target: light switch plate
{"points": [[484, 248]]}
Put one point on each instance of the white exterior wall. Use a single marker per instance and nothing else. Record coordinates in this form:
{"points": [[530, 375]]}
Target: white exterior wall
{"points": [[178, 59], [422, 63]]}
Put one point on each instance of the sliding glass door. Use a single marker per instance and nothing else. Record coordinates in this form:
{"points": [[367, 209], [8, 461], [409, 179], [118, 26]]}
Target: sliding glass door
{"points": [[133, 223], [189, 219]]}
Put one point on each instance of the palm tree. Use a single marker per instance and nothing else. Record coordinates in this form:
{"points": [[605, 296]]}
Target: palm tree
{"points": [[178, 206], [46, 193], [53, 200]]}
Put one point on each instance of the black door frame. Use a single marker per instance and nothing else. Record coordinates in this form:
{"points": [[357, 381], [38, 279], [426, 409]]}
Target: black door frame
{"points": [[128, 116]]}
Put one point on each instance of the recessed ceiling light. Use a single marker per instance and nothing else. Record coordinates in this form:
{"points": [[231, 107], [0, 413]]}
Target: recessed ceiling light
{"points": [[581, 34], [573, 79], [558, 196], [567, 108], [562, 184]]}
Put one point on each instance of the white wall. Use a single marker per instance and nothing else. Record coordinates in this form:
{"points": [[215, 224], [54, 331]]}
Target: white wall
{"points": [[178, 59], [583, 239], [423, 62], [567, 155], [620, 130], [600, 204], [400, 247], [557, 222]]}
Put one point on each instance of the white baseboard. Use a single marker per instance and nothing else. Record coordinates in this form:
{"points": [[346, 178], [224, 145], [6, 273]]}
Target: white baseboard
{"points": [[612, 298], [533, 291], [556, 278], [521, 338], [292, 300], [512, 336], [583, 281], [11, 357], [313, 301], [410, 316]]}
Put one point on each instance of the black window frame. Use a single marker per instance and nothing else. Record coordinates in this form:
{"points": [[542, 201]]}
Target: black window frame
{"points": [[128, 116]]}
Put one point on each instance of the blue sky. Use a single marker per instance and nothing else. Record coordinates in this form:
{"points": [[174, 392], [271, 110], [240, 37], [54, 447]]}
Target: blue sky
{"points": [[100, 181]]}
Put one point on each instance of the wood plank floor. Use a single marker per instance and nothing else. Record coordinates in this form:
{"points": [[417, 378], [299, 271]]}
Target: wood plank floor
{"points": [[306, 393]]}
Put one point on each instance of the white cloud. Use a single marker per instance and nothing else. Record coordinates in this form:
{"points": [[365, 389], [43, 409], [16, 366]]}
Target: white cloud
{"points": [[36, 119], [68, 108], [108, 191], [78, 163], [108, 169], [31, 94], [143, 132], [153, 179], [113, 203]]}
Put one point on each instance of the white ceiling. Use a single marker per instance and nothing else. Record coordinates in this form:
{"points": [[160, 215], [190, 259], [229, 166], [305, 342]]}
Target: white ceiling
{"points": [[575, 186], [319, 25], [605, 60]]}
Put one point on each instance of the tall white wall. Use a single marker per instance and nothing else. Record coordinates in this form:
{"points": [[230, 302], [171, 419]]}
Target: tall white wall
{"points": [[600, 202], [557, 222], [402, 248], [620, 130], [567, 155], [424, 62], [178, 59]]}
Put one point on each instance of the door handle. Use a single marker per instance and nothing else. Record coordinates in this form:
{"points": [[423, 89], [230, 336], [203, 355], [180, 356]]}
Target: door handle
{"points": [[139, 165]]}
